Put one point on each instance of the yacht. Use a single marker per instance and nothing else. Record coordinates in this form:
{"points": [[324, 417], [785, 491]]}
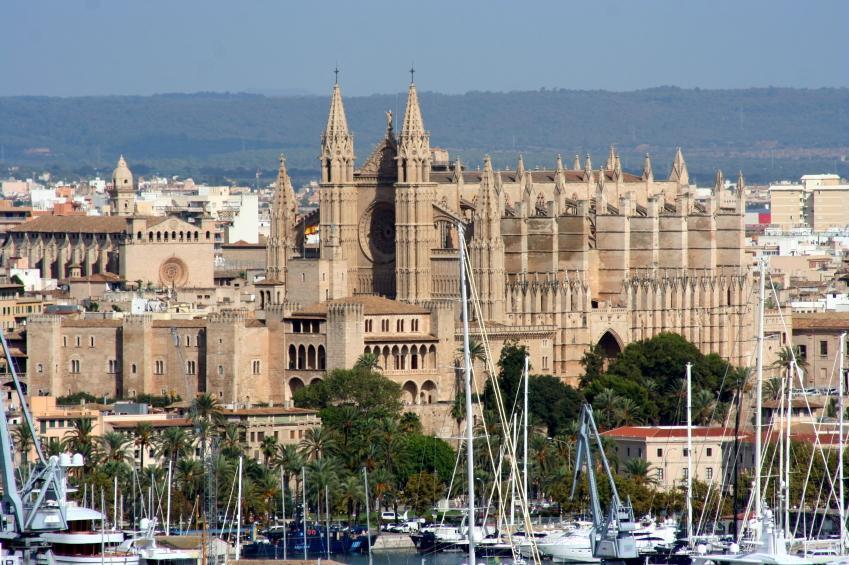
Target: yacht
{"points": [[86, 541]]}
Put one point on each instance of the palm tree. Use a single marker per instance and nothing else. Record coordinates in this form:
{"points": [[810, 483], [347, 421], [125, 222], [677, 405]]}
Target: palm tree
{"points": [[626, 412], [113, 447], [144, 436], [322, 472], [704, 407], [639, 470], [231, 442], [173, 444], [351, 494], [268, 447], [317, 442], [458, 409], [605, 404], [205, 412], [772, 388], [22, 436], [368, 361], [80, 439], [189, 477]]}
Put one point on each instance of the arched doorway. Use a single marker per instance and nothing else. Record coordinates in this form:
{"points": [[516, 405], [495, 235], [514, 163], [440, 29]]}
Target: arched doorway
{"points": [[428, 394], [295, 384], [610, 346], [409, 393]]}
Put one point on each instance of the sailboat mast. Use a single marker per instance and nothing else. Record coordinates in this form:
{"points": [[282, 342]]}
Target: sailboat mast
{"points": [[759, 376], [527, 496], [690, 454], [239, 514], [467, 361], [786, 457], [168, 503], [283, 500], [841, 505]]}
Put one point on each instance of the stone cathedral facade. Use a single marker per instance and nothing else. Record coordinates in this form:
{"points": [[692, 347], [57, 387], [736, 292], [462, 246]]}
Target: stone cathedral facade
{"points": [[584, 255]]}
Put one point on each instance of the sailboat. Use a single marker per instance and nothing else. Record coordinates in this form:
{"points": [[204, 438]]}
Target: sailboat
{"points": [[771, 543]]}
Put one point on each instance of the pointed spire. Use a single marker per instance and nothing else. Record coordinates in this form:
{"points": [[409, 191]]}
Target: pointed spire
{"points": [[414, 157], [559, 178], [611, 159], [617, 167], [337, 143], [741, 183], [588, 165], [413, 123], [679, 169], [458, 172], [741, 193], [718, 182], [520, 167], [337, 123], [648, 174], [488, 205], [576, 166]]}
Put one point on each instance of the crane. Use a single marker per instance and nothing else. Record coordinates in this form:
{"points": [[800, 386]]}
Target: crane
{"points": [[612, 537], [40, 505]]}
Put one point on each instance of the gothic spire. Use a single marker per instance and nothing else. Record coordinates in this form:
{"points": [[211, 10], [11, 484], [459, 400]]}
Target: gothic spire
{"points": [[679, 169], [336, 120], [576, 166], [337, 143], [520, 167], [458, 172], [648, 174], [413, 122], [488, 205], [559, 177], [611, 159], [718, 182], [281, 238], [414, 144], [588, 165]]}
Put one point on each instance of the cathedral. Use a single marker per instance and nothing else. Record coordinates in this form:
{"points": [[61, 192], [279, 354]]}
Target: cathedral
{"points": [[589, 256]]}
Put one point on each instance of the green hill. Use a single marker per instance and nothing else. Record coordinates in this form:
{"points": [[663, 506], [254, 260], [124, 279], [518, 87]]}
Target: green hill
{"points": [[769, 133]]}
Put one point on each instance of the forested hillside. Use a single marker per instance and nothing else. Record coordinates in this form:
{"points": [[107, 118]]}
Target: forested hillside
{"points": [[769, 133]]}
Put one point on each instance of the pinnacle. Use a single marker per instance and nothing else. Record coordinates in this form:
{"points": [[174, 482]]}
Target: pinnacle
{"points": [[520, 166], [413, 123], [336, 121]]}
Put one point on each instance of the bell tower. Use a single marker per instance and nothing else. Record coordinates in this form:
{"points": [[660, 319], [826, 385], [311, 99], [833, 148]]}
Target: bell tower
{"points": [[122, 194], [414, 198], [338, 194]]}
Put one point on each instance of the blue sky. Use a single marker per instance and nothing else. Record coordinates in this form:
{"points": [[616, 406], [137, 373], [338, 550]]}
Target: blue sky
{"points": [[90, 47]]}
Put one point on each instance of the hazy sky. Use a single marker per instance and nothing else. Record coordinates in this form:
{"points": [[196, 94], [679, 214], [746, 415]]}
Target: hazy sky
{"points": [[118, 47]]}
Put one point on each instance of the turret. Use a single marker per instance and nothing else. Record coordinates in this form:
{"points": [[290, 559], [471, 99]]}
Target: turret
{"points": [[123, 190], [281, 239], [486, 249]]}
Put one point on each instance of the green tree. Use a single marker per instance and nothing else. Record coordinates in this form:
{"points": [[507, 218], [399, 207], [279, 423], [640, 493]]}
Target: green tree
{"points": [[422, 491], [23, 440], [268, 448], [368, 361], [143, 438], [173, 444]]}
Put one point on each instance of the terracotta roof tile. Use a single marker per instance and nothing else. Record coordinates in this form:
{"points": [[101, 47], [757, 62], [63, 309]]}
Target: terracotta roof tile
{"points": [[821, 321], [72, 224], [644, 432]]}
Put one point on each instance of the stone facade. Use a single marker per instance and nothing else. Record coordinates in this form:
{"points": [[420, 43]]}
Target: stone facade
{"points": [[161, 250], [594, 256]]}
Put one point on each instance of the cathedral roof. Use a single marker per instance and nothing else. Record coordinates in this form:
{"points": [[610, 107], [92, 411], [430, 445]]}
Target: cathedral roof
{"points": [[537, 176], [372, 306], [72, 224]]}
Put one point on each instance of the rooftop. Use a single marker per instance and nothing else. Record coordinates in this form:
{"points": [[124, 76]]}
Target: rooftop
{"points": [[834, 321], [372, 306], [667, 432], [72, 224]]}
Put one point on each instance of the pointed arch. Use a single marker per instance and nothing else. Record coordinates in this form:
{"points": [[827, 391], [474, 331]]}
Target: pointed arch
{"points": [[610, 344]]}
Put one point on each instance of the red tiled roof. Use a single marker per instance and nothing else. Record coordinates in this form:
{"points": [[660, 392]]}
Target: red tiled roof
{"points": [[644, 432], [73, 224], [372, 306]]}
